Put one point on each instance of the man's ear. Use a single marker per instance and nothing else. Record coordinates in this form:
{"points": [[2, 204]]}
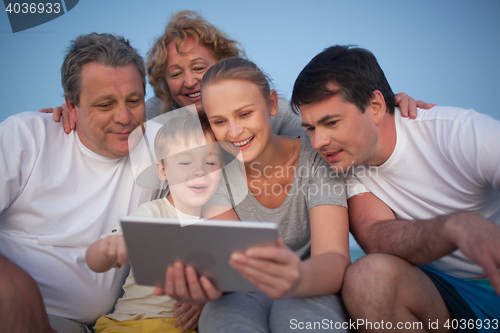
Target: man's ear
{"points": [[71, 108], [160, 169], [273, 102], [377, 106]]}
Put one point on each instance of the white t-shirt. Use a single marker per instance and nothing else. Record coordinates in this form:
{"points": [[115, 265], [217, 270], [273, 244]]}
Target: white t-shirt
{"points": [[57, 197], [447, 160]]}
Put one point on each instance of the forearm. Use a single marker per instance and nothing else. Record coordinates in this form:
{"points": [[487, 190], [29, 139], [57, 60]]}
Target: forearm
{"points": [[98, 261], [322, 274], [418, 242]]}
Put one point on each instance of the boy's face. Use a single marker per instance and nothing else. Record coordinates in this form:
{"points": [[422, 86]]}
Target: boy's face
{"points": [[193, 171]]}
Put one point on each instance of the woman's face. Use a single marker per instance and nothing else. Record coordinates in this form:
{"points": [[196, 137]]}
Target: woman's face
{"points": [[184, 72], [239, 115]]}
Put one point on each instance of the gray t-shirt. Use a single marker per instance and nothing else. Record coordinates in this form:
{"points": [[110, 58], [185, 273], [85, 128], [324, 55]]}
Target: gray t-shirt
{"points": [[314, 184], [284, 123]]}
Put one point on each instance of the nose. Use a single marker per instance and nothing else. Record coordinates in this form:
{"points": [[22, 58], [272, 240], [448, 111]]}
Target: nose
{"points": [[319, 139], [234, 129], [191, 79], [200, 169], [122, 114]]}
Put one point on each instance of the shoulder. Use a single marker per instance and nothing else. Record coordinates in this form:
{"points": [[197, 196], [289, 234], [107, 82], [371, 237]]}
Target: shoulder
{"points": [[439, 124], [29, 119], [30, 127], [286, 122], [446, 116], [156, 208]]}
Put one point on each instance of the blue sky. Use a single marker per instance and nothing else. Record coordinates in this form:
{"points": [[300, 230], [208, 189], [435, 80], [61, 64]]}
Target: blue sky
{"points": [[446, 51]]}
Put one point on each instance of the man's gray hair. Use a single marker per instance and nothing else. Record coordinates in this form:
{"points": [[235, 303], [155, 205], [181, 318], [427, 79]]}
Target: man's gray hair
{"points": [[106, 49]]}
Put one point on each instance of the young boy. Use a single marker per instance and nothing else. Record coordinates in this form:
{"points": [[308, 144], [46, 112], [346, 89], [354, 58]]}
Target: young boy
{"points": [[190, 159]]}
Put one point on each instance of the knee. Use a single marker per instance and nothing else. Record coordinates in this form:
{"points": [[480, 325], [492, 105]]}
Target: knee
{"points": [[371, 275]]}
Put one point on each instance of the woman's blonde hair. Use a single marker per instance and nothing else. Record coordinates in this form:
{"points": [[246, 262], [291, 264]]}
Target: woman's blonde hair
{"points": [[237, 68], [182, 25]]}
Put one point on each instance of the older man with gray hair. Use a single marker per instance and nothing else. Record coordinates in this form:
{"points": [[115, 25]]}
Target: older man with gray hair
{"points": [[61, 192]]}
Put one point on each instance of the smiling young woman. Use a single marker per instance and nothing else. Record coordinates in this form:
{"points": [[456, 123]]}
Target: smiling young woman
{"points": [[300, 277]]}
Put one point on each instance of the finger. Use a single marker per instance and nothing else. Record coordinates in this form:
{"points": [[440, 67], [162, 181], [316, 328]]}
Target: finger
{"points": [[122, 251], [56, 116], [46, 110], [192, 323], [209, 289], [273, 253], [68, 126], [493, 275], [179, 282], [272, 288], [159, 291], [260, 267], [112, 248], [412, 108], [186, 316], [177, 304], [423, 105], [169, 282], [195, 289], [401, 100], [181, 309]]}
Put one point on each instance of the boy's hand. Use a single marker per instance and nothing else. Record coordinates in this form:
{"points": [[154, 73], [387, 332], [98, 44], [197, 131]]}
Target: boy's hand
{"points": [[184, 285], [188, 315], [114, 248]]}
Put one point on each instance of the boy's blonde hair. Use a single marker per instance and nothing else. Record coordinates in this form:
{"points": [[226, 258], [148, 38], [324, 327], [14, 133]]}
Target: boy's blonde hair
{"points": [[182, 25], [179, 129]]}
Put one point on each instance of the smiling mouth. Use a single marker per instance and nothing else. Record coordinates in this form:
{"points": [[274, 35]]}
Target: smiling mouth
{"points": [[244, 142], [334, 153], [198, 189], [194, 95], [123, 134]]}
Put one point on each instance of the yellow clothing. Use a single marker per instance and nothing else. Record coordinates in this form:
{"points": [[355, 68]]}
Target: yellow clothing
{"points": [[157, 325]]}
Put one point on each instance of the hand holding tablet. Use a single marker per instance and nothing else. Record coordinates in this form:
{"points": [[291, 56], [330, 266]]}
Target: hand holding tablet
{"points": [[205, 247]]}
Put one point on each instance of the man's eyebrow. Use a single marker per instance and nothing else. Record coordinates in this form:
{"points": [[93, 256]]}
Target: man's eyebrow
{"points": [[99, 99], [327, 118], [322, 120]]}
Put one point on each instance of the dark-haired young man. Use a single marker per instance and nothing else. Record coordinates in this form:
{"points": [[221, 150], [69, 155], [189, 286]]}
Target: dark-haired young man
{"points": [[424, 197]]}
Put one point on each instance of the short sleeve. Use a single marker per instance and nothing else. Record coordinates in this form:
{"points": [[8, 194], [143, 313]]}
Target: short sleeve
{"points": [[354, 186], [19, 149]]}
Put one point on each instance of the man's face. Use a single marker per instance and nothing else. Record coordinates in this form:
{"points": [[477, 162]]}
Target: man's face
{"points": [[111, 106], [341, 134]]}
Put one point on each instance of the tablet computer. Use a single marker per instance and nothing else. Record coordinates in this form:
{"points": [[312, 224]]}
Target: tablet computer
{"points": [[155, 243]]}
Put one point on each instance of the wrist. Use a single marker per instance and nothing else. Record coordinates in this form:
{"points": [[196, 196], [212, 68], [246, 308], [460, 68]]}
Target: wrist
{"points": [[455, 226]]}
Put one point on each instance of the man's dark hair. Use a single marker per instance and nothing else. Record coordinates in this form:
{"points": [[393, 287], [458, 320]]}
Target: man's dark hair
{"points": [[355, 72]]}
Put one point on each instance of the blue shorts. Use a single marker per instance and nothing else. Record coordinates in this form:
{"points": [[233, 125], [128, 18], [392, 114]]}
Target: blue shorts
{"points": [[469, 301]]}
